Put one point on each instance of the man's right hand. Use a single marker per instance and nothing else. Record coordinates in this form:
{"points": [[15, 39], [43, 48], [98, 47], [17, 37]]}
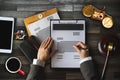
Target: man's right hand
{"points": [[82, 49]]}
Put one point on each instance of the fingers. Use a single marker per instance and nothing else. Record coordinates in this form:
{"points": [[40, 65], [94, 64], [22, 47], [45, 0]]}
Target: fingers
{"points": [[47, 43], [44, 43], [53, 53], [81, 45], [82, 49], [76, 48], [50, 44]]}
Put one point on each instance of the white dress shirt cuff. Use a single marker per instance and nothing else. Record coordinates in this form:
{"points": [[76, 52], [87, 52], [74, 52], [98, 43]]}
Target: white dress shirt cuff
{"points": [[38, 62], [85, 59]]}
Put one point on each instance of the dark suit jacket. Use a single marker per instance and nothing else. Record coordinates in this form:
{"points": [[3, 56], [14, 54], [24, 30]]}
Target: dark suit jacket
{"points": [[87, 69], [36, 73]]}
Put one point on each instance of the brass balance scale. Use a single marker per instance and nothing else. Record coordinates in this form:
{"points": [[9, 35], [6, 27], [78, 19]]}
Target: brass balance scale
{"points": [[97, 14]]}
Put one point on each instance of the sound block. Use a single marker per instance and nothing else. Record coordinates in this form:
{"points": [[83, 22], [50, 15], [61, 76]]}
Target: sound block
{"points": [[105, 41]]}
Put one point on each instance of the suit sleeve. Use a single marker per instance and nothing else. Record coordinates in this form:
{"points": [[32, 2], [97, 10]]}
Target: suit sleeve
{"points": [[36, 73], [88, 71]]}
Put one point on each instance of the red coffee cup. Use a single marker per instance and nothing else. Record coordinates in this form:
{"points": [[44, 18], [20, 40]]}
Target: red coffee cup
{"points": [[13, 65]]}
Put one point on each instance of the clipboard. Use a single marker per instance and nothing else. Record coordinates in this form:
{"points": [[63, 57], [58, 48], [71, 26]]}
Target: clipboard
{"points": [[65, 34]]}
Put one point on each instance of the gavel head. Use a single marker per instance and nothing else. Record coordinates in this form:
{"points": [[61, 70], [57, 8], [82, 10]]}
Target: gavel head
{"points": [[109, 42], [110, 46]]}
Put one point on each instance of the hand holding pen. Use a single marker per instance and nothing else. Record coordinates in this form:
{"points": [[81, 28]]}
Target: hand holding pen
{"points": [[82, 49]]}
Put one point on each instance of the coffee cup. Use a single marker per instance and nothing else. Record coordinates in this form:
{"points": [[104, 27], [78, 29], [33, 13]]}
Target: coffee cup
{"points": [[13, 65]]}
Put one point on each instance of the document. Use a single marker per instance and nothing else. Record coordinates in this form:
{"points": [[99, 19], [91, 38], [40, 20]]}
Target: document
{"points": [[39, 24], [65, 34]]}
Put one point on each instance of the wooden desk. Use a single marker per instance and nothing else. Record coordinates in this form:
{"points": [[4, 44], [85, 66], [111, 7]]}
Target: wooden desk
{"points": [[68, 9]]}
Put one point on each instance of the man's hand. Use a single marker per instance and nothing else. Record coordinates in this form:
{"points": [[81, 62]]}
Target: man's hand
{"points": [[44, 50], [82, 49]]}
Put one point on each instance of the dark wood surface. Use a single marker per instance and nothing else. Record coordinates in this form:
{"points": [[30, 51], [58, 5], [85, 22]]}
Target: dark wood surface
{"points": [[67, 9]]}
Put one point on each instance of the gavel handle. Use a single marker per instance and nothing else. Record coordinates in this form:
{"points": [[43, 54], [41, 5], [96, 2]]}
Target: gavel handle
{"points": [[105, 64]]}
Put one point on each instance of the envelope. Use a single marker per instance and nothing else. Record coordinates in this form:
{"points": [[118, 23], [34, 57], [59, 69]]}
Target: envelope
{"points": [[40, 21]]}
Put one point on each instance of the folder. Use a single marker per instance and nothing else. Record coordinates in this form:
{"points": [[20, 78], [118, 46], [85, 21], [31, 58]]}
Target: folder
{"points": [[41, 21]]}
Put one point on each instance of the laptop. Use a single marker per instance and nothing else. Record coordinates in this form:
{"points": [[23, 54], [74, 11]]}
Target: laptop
{"points": [[65, 34]]}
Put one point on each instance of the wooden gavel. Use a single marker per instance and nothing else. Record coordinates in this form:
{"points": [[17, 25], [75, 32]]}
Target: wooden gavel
{"points": [[110, 48]]}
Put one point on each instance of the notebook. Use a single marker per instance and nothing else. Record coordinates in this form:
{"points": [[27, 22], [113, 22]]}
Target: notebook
{"points": [[30, 47]]}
